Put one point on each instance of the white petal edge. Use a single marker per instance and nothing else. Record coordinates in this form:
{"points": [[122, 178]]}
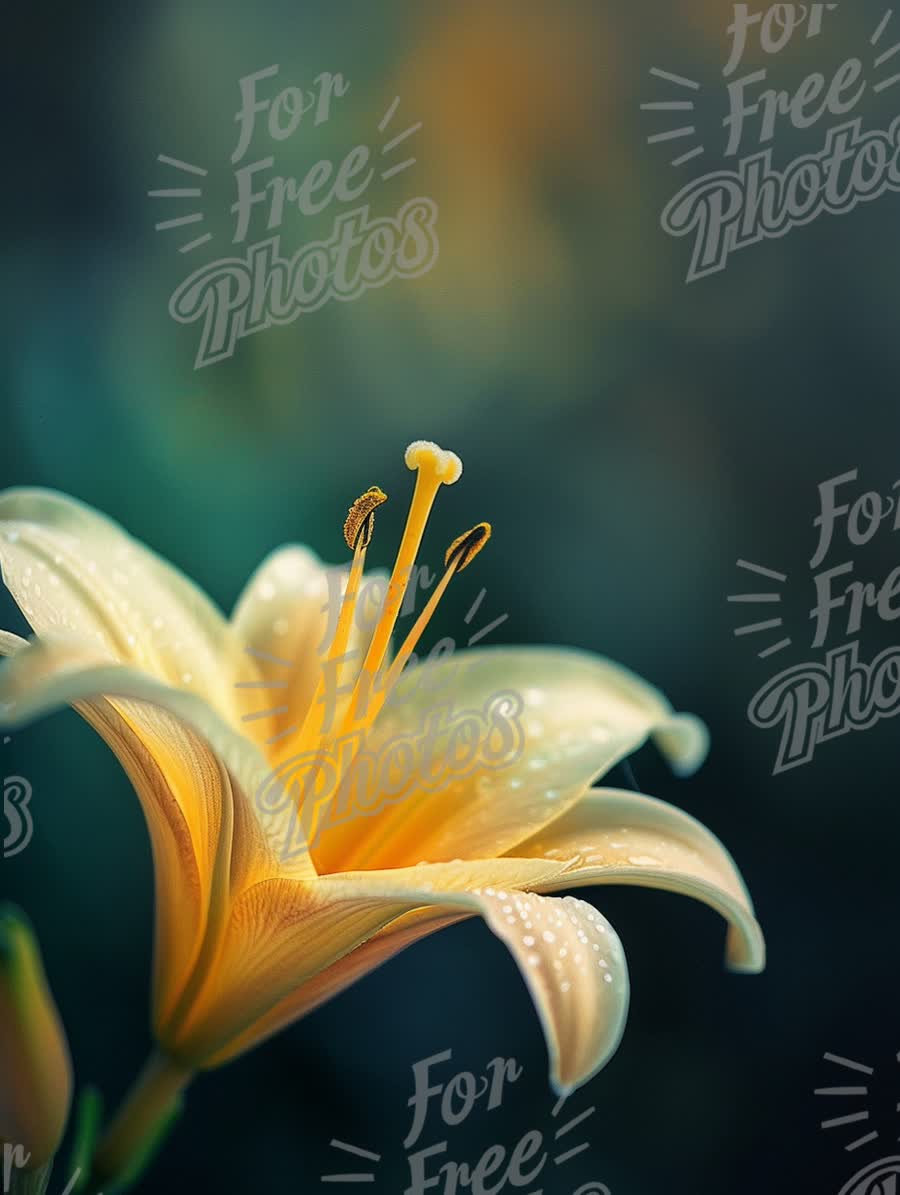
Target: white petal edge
{"points": [[615, 836]]}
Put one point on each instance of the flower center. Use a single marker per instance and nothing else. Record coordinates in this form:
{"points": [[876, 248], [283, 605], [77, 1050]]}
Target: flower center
{"points": [[433, 467]]}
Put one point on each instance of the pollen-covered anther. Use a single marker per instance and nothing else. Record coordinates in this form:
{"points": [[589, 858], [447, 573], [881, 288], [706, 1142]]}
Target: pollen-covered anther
{"points": [[466, 547], [360, 521], [427, 456]]}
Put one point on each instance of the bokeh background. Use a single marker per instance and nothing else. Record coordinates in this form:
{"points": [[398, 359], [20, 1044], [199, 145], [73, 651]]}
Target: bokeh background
{"points": [[629, 436]]}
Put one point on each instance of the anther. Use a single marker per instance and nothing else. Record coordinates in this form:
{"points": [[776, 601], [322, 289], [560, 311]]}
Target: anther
{"points": [[466, 547], [360, 521]]}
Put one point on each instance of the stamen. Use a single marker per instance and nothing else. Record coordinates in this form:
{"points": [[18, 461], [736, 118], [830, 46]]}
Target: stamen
{"points": [[461, 553], [435, 468], [360, 521], [358, 528]]}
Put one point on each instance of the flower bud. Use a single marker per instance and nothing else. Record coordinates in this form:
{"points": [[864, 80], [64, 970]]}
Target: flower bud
{"points": [[35, 1067]]}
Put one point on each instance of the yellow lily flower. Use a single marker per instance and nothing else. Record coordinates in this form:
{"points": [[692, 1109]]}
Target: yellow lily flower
{"points": [[35, 1068], [268, 905]]}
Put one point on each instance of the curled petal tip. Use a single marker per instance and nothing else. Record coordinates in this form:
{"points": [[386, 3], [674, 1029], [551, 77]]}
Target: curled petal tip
{"points": [[684, 740], [745, 950]]}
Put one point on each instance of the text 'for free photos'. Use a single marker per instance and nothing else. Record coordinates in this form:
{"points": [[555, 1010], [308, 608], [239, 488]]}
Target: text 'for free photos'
{"points": [[758, 185], [236, 295]]}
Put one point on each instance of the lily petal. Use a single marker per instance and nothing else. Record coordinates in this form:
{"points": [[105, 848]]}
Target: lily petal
{"points": [[310, 936], [400, 933], [618, 837], [574, 964], [74, 572], [286, 617], [284, 932], [10, 643], [561, 719], [207, 841], [174, 774], [583, 1021], [52, 673]]}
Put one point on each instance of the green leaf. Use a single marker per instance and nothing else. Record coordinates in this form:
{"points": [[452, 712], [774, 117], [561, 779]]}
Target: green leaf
{"points": [[88, 1122]]}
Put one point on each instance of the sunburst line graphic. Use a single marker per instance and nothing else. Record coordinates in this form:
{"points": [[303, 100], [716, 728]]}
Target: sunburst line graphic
{"points": [[885, 55], [885, 20], [386, 174], [841, 1091], [179, 165], [883, 58], [668, 106], [767, 597], [176, 193], [567, 1128], [573, 1153], [485, 631], [763, 572], [177, 222], [389, 115], [755, 627], [368, 1176], [692, 153], [391, 145], [401, 137], [861, 1142], [179, 193], [670, 78], [850, 1064], [776, 647], [267, 656], [357, 1152], [674, 106], [855, 1091], [207, 236], [355, 1149], [672, 134]]}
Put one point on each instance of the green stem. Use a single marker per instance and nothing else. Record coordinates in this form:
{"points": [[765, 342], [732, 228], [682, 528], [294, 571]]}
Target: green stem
{"points": [[147, 1110]]}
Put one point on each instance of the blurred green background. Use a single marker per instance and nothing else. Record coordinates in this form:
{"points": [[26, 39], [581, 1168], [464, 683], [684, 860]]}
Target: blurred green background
{"points": [[629, 436]]}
